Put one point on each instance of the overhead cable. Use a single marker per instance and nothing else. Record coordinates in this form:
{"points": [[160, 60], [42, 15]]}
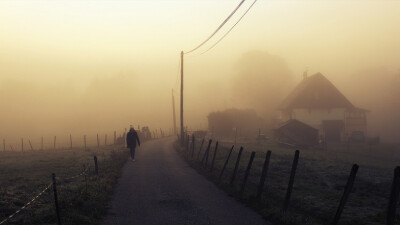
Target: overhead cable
{"points": [[220, 26], [230, 29]]}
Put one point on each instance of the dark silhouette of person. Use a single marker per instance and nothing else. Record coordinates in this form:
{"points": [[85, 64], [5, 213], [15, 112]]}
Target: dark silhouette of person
{"points": [[131, 138]]}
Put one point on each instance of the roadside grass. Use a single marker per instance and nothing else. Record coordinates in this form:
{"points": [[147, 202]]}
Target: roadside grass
{"points": [[82, 200], [319, 181]]}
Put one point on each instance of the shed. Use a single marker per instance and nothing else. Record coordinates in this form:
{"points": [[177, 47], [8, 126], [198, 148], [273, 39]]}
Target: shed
{"points": [[297, 133]]}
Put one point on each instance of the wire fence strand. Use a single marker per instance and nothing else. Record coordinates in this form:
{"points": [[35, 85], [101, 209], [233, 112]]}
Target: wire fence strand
{"points": [[43, 191], [26, 205], [75, 176]]}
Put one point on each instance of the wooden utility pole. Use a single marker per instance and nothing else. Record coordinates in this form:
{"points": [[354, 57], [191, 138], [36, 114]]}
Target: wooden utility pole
{"points": [[182, 131], [173, 112]]}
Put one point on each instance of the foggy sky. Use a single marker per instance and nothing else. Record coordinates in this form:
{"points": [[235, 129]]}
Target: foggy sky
{"points": [[96, 66]]}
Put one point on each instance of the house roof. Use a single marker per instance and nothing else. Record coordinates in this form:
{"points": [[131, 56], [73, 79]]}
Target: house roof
{"points": [[316, 92]]}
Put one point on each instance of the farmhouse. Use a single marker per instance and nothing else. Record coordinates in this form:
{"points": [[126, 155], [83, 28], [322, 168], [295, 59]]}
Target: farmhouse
{"points": [[319, 104]]}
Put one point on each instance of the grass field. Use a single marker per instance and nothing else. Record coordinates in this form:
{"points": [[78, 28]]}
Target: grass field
{"points": [[82, 200], [319, 182]]}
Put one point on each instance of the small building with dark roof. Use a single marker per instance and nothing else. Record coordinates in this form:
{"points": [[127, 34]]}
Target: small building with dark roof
{"points": [[297, 133], [318, 103]]}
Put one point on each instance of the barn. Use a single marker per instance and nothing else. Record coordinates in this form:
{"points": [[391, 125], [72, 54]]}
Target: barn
{"points": [[318, 103]]}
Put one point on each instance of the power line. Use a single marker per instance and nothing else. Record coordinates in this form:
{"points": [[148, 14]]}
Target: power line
{"points": [[220, 26], [229, 29]]}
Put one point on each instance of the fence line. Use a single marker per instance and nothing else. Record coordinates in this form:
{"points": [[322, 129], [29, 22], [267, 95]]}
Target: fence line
{"points": [[53, 183], [75, 176], [43, 191], [56, 142], [26, 205], [393, 199]]}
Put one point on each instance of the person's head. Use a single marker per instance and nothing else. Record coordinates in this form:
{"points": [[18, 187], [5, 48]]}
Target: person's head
{"points": [[131, 129]]}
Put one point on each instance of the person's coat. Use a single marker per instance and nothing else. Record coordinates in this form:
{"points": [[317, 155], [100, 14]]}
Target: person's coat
{"points": [[132, 138]]}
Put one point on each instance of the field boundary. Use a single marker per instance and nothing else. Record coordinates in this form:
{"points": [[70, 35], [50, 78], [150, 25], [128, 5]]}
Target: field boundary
{"points": [[188, 148]]}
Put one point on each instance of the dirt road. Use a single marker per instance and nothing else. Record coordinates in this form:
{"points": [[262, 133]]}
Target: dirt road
{"points": [[160, 188]]}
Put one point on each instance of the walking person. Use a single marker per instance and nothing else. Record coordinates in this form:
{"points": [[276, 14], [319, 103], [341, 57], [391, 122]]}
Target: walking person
{"points": [[131, 138]]}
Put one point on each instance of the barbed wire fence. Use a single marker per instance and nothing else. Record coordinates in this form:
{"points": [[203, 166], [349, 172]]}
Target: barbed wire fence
{"points": [[69, 179], [52, 184], [26, 205]]}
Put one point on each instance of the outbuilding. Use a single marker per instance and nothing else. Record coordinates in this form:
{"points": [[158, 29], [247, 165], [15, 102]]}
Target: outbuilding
{"points": [[319, 104], [296, 133]]}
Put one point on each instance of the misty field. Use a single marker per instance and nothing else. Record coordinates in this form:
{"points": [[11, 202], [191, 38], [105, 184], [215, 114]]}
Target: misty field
{"points": [[319, 182], [82, 200]]}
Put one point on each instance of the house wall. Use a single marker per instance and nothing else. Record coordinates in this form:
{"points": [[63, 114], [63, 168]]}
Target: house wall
{"points": [[356, 121], [314, 117]]}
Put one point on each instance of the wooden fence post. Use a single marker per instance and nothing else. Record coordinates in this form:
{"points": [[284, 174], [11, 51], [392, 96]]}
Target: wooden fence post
{"points": [[98, 141], [115, 137], [201, 146], [246, 175], [96, 168], [291, 181], [394, 196], [236, 166], [207, 156], [70, 140], [187, 144], [226, 162], [193, 142], [30, 144], [55, 139], [56, 198], [205, 153], [22, 144], [263, 175], [346, 193], [84, 141], [215, 155]]}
